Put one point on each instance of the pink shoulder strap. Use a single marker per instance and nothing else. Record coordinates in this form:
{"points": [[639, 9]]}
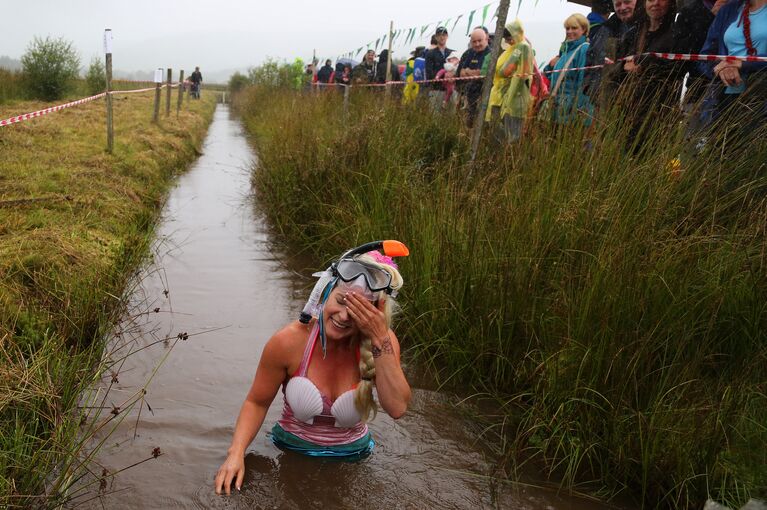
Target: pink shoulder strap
{"points": [[301, 372]]}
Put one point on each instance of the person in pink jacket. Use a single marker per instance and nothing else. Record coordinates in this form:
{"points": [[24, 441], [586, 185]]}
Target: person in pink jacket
{"points": [[447, 72]]}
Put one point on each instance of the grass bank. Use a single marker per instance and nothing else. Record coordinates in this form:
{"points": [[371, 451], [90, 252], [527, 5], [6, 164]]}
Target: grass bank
{"points": [[74, 223], [614, 310]]}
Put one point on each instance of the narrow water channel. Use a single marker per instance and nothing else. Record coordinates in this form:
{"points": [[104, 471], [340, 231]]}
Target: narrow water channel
{"points": [[214, 258]]}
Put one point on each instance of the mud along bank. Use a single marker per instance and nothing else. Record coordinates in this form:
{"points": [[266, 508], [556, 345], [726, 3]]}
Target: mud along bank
{"points": [[74, 224]]}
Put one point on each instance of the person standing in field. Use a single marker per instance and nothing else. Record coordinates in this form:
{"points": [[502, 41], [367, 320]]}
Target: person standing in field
{"points": [[435, 61], [600, 12], [473, 62], [413, 75], [568, 99], [653, 84], [365, 72], [325, 72], [604, 44], [196, 79], [739, 89], [383, 59], [510, 97], [447, 73]]}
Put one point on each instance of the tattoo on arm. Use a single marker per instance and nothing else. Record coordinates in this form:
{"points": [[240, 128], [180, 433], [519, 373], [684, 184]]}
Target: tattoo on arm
{"points": [[386, 348]]}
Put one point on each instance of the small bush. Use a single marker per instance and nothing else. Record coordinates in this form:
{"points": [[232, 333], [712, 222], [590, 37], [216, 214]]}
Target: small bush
{"points": [[278, 74], [96, 79], [238, 82], [50, 67]]}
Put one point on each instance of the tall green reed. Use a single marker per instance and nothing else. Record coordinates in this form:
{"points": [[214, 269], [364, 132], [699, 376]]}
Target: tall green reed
{"points": [[11, 85], [613, 307]]}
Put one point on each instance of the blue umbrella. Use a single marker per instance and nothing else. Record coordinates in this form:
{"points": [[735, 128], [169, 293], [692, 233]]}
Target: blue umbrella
{"points": [[347, 61]]}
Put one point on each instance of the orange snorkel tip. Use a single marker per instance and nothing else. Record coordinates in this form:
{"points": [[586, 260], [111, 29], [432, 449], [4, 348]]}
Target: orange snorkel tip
{"points": [[392, 248]]}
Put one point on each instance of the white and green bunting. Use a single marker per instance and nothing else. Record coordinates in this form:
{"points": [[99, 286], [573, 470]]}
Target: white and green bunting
{"points": [[420, 35]]}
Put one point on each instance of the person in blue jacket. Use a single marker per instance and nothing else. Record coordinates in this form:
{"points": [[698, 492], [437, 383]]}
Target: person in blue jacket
{"points": [[740, 28], [569, 100]]}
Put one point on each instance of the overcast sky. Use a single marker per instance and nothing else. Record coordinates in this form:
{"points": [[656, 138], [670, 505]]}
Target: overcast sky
{"points": [[223, 35]]}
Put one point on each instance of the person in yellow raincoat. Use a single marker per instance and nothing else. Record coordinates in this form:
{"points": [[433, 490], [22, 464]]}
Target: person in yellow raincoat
{"points": [[414, 73], [510, 97]]}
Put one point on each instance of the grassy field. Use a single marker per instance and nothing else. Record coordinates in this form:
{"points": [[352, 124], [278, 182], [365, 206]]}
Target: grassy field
{"points": [[74, 223], [12, 88], [611, 306]]}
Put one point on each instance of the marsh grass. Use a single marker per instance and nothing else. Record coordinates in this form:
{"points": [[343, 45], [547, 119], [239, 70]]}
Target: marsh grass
{"points": [[75, 222], [613, 307], [14, 90], [11, 85]]}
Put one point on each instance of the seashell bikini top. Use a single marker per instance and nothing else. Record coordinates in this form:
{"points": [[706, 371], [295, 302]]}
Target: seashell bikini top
{"points": [[307, 402]]}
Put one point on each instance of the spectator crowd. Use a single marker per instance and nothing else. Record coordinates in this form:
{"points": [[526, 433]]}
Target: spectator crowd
{"points": [[590, 69]]}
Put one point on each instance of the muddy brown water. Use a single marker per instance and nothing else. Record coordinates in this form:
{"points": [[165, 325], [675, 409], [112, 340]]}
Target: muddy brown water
{"points": [[228, 289]]}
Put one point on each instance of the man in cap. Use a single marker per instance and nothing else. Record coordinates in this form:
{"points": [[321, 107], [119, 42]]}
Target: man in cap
{"points": [[471, 64], [435, 61]]}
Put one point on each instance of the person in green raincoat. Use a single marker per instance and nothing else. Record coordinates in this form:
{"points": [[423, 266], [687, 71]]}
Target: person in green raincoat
{"points": [[510, 97]]}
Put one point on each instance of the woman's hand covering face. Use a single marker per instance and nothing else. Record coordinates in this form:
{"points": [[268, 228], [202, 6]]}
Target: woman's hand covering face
{"points": [[370, 320]]}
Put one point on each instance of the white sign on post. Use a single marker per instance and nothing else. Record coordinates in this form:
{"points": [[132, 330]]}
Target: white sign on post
{"points": [[108, 40], [158, 75]]}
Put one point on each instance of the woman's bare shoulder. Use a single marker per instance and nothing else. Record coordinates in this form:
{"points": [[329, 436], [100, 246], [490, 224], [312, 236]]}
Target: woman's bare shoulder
{"points": [[287, 340]]}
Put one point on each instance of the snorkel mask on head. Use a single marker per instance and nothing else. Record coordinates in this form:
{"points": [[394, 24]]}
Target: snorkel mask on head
{"points": [[347, 269], [355, 273]]}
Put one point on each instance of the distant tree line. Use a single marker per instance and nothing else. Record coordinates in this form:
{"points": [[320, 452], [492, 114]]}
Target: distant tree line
{"points": [[272, 73]]}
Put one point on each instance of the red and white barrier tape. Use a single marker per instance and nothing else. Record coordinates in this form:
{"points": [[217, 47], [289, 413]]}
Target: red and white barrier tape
{"points": [[40, 113], [700, 58], [133, 91], [132, 81], [666, 56]]}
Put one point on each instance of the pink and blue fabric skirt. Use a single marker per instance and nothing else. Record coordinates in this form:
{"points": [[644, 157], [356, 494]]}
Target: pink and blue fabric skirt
{"points": [[355, 450]]}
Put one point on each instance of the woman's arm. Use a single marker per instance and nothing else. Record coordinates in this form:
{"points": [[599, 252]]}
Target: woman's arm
{"points": [[271, 372], [393, 388], [710, 47], [509, 69]]}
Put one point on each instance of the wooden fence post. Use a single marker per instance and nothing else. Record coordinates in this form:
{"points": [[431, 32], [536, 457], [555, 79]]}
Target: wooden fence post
{"points": [[346, 99], [487, 85], [168, 84], [108, 51], [158, 85], [180, 91]]}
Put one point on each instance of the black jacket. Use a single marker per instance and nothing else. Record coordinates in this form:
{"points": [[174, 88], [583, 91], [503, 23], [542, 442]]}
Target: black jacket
{"points": [[690, 31], [472, 60], [660, 78], [323, 75], [435, 60], [381, 68]]}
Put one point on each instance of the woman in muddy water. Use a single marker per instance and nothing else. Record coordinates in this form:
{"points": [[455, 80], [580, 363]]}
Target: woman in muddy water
{"points": [[328, 385]]}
